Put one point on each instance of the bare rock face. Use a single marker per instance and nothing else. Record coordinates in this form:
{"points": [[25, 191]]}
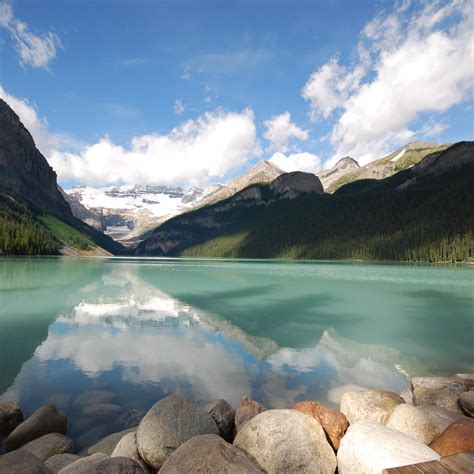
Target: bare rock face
{"points": [[342, 167], [286, 441], [376, 405], [369, 447], [10, 417], [334, 423], [292, 185], [48, 445], [224, 416], [247, 410], [208, 453], [47, 419], [457, 438], [168, 424], [19, 462]]}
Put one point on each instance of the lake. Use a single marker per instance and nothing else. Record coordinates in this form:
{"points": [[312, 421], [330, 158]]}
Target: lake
{"points": [[281, 332]]}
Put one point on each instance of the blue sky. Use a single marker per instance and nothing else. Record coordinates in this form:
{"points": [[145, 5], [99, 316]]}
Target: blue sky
{"points": [[194, 92]]}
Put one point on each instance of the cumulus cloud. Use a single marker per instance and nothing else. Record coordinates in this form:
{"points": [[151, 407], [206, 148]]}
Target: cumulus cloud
{"points": [[34, 50], [178, 106], [297, 162], [280, 130], [415, 60]]}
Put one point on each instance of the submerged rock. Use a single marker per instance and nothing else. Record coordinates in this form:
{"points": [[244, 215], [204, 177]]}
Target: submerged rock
{"points": [[168, 424], [370, 447], [10, 417], [286, 441], [334, 423], [466, 403], [127, 447], [335, 394], [247, 410], [58, 461], [21, 462], [47, 419], [93, 397], [224, 416], [129, 419], [101, 410], [48, 445], [208, 453], [457, 438], [376, 405]]}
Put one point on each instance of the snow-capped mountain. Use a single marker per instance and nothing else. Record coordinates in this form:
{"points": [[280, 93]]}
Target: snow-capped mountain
{"points": [[126, 211]]}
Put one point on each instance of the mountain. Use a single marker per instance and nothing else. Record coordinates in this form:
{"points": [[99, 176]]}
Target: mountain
{"points": [[422, 213], [400, 160], [341, 168], [34, 216]]}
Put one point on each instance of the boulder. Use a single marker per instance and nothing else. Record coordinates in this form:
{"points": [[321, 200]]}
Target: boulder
{"points": [[440, 391], [370, 447], [101, 410], [10, 417], [467, 380], [247, 410], [168, 424], [84, 465], [286, 441], [93, 397], [104, 465], [224, 416], [106, 445], [127, 447], [48, 445], [457, 438], [334, 423], [21, 462], [423, 423], [58, 461], [335, 394], [407, 396], [91, 436], [466, 403], [208, 453], [376, 405], [47, 419]]}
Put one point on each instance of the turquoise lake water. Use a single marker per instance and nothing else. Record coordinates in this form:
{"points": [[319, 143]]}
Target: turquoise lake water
{"points": [[281, 332]]}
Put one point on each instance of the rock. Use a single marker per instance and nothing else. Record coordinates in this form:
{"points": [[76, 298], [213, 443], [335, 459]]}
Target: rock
{"points": [[129, 419], [127, 447], [334, 423], [10, 417], [294, 184], [58, 461], [286, 441], [457, 438], [21, 462], [247, 410], [370, 447], [224, 416], [91, 436], [103, 466], [93, 397], [61, 400], [335, 394], [106, 445], [375, 405], [407, 396], [466, 403], [47, 419], [84, 465], [168, 424], [466, 379], [48, 445], [208, 453], [439, 391], [101, 410], [423, 423]]}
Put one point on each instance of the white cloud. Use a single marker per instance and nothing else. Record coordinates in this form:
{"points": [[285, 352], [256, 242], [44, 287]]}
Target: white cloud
{"points": [[178, 106], [193, 153], [280, 130], [410, 62], [297, 162], [34, 50]]}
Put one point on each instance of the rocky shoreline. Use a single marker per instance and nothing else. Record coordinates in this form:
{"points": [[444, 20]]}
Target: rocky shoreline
{"points": [[372, 431]]}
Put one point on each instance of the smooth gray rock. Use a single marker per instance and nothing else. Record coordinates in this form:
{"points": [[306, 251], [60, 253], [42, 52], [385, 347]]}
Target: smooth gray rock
{"points": [[106, 445], [10, 417], [248, 408], [93, 397], [98, 464], [286, 441], [208, 453], [101, 410], [375, 405], [370, 447], [224, 416], [47, 419], [84, 465], [127, 447], [466, 403], [19, 462], [58, 461], [48, 445], [440, 391], [423, 423], [168, 424]]}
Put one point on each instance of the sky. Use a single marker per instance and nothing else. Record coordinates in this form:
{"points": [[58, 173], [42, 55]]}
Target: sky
{"points": [[194, 92]]}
